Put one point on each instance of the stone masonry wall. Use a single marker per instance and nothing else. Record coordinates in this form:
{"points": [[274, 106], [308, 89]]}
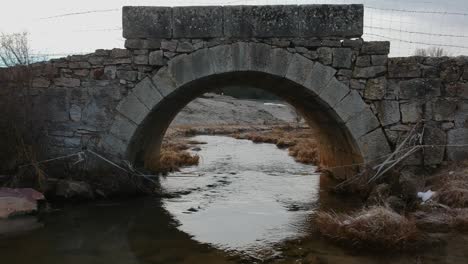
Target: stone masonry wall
{"points": [[75, 97]]}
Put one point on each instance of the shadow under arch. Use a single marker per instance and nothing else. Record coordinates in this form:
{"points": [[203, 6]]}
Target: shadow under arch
{"points": [[346, 129]]}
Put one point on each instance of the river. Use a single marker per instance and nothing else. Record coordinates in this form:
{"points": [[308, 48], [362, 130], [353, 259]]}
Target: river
{"points": [[244, 203]]}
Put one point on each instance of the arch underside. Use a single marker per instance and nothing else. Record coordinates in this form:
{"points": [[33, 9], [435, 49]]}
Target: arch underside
{"points": [[345, 128]]}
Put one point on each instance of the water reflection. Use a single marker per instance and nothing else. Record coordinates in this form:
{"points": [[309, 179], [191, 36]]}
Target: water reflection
{"points": [[248, 197]]}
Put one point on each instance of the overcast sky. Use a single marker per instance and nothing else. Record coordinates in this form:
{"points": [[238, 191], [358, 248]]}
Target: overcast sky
{"points": [[52, 31]]}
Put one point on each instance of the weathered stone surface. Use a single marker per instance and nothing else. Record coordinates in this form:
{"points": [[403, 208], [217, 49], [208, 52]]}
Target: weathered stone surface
{"points": [[434, 136], [140, 59], [164, 82], [150, 44], [419, 88], [411, 112], [147, 93], [342, 58], [407, 68], [444, 110], [457, 89], [362, 123], [170, 45], [376, 89], [351, 105], [379, 60], [67, 82], [197, 21], [184, 47], [40, 82], [222, 58], [279, 62], [122, 128], [331, 20], [457, 137], [388, 111], [319, 77], [181, 70], [369, 72], [373, 144], [353, 43], [127, 75], [325, 55], [363, 61], [132, 108], [299, 69], [120, 53], [156, 58], [375, 47], [147, 22], [333, 92]]}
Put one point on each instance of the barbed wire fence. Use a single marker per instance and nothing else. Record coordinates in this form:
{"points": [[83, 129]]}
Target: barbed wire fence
{"points": [[408, 25]]}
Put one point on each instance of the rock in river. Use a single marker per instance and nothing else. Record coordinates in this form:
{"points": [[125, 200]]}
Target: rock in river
{"points": [[18, 201]]}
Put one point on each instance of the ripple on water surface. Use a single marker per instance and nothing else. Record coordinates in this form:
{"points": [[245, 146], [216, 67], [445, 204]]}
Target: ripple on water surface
{"points": [[248, 196]]}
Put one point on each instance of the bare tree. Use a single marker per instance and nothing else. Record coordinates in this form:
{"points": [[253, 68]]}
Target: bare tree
{"points": [[14, 49], [431, 52]]}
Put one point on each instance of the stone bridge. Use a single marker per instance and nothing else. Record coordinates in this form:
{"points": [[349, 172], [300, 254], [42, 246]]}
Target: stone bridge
{"points": [[361, 103]]}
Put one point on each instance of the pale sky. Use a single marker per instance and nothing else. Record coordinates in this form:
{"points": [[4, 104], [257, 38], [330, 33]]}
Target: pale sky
{"points": [[403, 22]]}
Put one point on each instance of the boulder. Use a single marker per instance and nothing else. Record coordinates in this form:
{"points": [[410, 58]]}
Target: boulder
{"points": [[74, 190], [18, 201]]}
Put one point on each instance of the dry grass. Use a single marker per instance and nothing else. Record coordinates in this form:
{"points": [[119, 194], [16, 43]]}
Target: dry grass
{"points": [[302, 146], [173, 156], [377, 228], [451, 185]]}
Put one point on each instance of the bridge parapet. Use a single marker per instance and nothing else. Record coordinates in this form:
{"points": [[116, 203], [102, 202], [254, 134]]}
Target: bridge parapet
{"points": [[342, 21]]}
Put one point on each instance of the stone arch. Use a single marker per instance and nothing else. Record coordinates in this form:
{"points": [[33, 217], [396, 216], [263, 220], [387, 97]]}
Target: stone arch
{"points": [[349, 132]]}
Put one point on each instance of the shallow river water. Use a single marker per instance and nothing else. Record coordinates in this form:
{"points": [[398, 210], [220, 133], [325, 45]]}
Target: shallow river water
{"points": [[244, 203]]}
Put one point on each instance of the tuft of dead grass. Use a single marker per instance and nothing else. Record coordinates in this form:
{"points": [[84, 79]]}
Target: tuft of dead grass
{"points": [[451, 187], [173, 156], [378, 228], [302, 147]]}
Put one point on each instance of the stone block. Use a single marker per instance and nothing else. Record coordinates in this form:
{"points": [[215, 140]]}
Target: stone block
{"points": [[444, 110], [369, 72], [465, 73], [143, 44], [198, 21], [241, 56], [164, 82], [379, 60], [120, 53], [132, 108], [411, 112], [388, 112], [156, 58], [351, 105], [202, 64], [222, 58], [299, 69], [353, 43], [325, 55], [333, 93], [375, 48], [342, 57], [122, 128], [279, 62], [373, 145], [140, 60], [114, 146], [420, 88], [67, 82], [260, 56], [79, 65], [184, 47], [319, 77], [170, 45], [127, 75], [376, 88], [40, 82], [434, 136], [457, 137], [261, 21], [362, 123], [363, 61], [147, 93], [404, 68], [147, 22], [331, 20]]}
